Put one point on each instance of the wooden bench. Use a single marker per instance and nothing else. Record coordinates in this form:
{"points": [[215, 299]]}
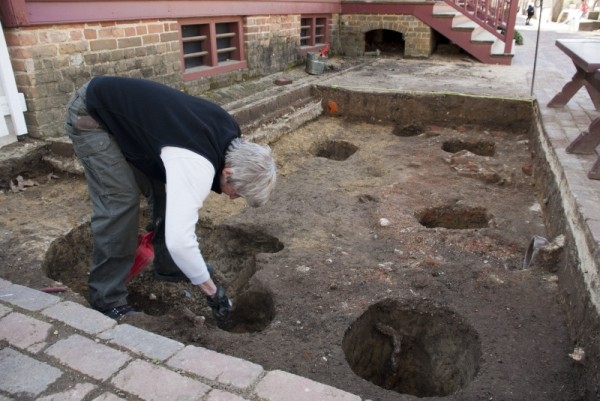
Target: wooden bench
{"points": [[585, 54]]}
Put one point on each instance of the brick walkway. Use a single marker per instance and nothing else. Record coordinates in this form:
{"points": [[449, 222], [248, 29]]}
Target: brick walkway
{"points": [[69, 352], [52, 349]]}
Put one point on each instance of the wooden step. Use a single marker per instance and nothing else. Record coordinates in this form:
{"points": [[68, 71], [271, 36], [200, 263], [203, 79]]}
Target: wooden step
{"points": [[481, 35], [441, 9], [498, 49], [459, 28], [463, 23]]}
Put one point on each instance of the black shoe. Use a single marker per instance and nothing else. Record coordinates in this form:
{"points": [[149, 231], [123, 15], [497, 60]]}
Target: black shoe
{"points": [[120, 311]]}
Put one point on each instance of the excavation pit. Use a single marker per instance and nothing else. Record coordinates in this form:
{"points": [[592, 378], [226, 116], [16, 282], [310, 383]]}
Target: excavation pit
{"points": [[408, 130], [231, 249], [454, 217], [481, 148], [335, 150], [415, 348], [296, 302]]}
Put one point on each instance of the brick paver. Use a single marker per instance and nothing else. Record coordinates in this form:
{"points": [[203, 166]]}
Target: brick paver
{"points": [[88, 357], [19, 369], [108, 397], [77, 393], [219, 395], [155, 383], [282, 386], [215, 366], [142, 342], [80, 317], [23, 331], [27, 298]]}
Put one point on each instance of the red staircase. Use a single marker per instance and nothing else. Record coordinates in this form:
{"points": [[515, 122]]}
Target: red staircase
{"points": [[483, 28]]}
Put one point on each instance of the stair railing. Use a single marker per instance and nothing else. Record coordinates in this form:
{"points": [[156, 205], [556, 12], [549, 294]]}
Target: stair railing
{"points": [[496, 16]]}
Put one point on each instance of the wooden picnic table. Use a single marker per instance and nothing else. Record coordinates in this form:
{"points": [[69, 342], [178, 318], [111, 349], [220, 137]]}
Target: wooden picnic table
{"points": [[585, 54]]}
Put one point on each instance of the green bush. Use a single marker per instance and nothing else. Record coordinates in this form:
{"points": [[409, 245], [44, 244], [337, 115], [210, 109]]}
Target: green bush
{"points": [[518, 38]]}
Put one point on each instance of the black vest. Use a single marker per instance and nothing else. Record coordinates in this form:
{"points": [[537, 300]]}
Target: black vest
{"points": [[145, 116]]}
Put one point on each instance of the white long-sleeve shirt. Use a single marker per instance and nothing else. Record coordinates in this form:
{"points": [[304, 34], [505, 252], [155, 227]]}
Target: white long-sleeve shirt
{"points": [[189, 181]]}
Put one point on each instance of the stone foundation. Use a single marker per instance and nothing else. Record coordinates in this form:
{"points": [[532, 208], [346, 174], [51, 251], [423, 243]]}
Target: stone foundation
{"points": [[51, 62]]}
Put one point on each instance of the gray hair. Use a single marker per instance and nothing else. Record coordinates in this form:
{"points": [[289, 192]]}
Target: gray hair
{"points": [[254, 171]]}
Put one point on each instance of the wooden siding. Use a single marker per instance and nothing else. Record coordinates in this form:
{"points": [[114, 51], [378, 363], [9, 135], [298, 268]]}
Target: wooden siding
{"points": [[39, 12]]}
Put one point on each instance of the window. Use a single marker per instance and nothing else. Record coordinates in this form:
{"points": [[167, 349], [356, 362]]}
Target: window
{"points": [[313, 31], [211, 47]]}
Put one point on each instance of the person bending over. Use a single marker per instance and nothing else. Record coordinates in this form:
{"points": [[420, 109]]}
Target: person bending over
{"points": [[135, 133]]}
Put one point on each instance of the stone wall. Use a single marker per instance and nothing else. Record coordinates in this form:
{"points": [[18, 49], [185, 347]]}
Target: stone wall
{"points": [[418, 37], [271, 42], [51, 62]]}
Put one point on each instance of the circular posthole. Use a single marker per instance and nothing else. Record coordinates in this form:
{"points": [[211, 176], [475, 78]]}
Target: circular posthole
{"points": [[232, 249], [454, 217], [408, 130], [253, 312], [416, 348], [481, 148], [335, 150]]}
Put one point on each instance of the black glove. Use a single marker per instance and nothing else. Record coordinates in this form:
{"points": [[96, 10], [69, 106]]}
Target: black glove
{"points": [[221, 308]]}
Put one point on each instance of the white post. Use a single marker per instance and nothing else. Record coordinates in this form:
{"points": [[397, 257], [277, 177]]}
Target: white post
{"points": [[12, 103]]}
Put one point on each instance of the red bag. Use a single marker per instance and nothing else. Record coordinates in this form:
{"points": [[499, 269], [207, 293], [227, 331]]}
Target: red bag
{"points": [[144, 255]]}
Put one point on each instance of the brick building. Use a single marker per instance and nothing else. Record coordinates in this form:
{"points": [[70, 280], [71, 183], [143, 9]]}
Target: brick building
{"points": [[193, 45]]}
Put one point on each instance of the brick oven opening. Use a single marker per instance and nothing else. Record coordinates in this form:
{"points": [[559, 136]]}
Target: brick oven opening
{"points": [[384, 40]]}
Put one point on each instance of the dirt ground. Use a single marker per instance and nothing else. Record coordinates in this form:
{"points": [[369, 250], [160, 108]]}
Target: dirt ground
{"points": [[389, 263]]}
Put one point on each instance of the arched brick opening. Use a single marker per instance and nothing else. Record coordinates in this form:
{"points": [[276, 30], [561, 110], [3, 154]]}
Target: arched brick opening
{"points": [[418, 37], [384, 40]]}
